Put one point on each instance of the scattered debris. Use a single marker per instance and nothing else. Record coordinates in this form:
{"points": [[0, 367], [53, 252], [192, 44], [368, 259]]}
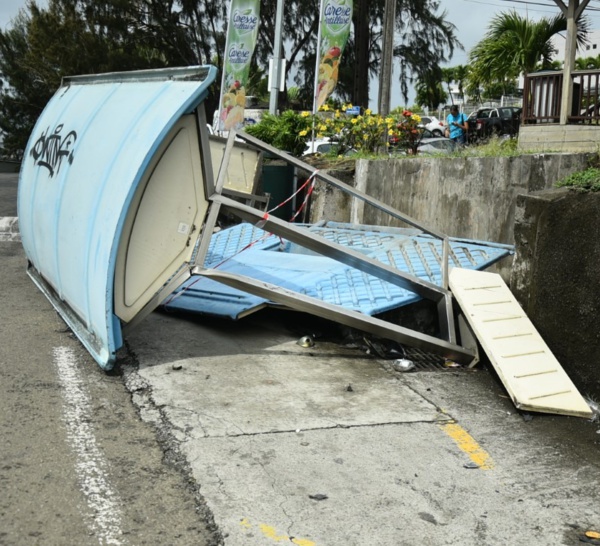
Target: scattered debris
{"points": [[349, 388], [527, 417], [306, 341], [451, 364], [590, 537], [403, 365], [386, 349], [318, 497], [177, 367], [471, 465]]}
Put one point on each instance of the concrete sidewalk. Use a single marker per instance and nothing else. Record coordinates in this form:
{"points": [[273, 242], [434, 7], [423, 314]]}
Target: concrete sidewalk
{"points": [[327, 446]]}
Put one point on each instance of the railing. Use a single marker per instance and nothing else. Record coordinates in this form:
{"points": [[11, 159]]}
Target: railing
{"points": [[542, 96]]}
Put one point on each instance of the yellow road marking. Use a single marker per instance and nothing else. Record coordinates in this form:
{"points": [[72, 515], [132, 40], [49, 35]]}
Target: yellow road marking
{"points": [[270, 532], [467, 443]]}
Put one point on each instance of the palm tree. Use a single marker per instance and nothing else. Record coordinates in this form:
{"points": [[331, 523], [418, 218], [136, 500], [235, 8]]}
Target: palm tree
{"points": [[514, 45], [448, 77], [587, 63], [461, 74]]}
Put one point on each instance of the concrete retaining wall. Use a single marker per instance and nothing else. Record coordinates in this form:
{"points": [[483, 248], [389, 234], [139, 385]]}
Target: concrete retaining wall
{"points": [[555, 272], [463, 197], [565, 138], [556, 279]]}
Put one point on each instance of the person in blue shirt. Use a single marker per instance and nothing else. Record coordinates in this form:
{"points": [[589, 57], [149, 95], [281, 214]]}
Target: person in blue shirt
{"points": [[457, 127]]}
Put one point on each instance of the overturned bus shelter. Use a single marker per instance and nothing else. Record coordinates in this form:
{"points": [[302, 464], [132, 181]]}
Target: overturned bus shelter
{"points": [[119, 200]]}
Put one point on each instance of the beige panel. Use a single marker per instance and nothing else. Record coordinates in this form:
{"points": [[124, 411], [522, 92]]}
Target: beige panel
{"points": [[244, 165], [531, 374], [168, 208]]}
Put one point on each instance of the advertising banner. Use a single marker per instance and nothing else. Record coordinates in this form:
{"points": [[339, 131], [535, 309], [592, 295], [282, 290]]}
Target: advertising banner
{"points": [[336, 18], [242, 31]]}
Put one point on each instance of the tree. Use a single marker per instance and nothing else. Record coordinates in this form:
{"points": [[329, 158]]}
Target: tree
{"points": [[92, 36], [448, 78], [587, 63], [514, 45], [430, 93], [461, 75], [424, 41]]}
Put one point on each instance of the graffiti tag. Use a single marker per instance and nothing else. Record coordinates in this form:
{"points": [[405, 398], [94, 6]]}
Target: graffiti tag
{"points": [[51, 149]]}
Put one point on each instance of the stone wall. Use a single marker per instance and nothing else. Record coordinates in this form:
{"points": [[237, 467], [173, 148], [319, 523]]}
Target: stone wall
{"points": [[556, 277]]}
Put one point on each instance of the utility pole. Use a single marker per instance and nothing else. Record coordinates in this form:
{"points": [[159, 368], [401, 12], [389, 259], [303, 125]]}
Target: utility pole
{"points": [[572, 12], [276, 75], [387, 58]]}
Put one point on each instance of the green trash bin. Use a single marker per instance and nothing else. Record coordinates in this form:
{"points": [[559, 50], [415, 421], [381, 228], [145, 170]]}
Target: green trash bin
{"points": [[278, 181]]}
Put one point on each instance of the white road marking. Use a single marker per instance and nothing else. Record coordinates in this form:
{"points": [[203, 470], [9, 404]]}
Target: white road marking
{"points": [[9, 228], [91, 466]]}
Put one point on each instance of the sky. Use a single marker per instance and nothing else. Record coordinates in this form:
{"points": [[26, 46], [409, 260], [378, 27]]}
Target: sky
{"points": [[471, 18]]}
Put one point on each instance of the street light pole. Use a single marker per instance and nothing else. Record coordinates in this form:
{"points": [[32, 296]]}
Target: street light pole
{"points": [[276, 75], [387, 58]]}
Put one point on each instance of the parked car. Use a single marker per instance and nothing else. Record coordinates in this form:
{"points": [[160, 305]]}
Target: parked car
{"points": [[324, 146], [430, 143], [433, 124], [318, 146], [436, 145], [486, 122]]}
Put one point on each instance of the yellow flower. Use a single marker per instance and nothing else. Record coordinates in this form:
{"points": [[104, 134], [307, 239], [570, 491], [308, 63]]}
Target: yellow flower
{"points": [[322, 127], [354, 121], [365, 137], [305, 114], [337, 114], [348, 106], [325, 108], [390, 132], [303, 133], [368, 112], [389, 120], [416, 117]]}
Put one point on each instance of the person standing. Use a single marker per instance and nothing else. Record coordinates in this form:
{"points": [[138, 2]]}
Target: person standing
{"points": [[456, 126]]}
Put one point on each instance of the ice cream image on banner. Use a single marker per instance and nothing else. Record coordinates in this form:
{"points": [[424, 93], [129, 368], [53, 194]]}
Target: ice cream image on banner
{"points": [[335, 28]]}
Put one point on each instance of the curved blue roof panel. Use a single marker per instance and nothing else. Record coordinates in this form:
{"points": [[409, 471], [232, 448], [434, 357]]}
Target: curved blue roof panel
{"points": [[84, 161]]}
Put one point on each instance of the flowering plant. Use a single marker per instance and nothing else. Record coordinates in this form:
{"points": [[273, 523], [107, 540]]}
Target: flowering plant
{"points": [[408, 134], [366, 132]]}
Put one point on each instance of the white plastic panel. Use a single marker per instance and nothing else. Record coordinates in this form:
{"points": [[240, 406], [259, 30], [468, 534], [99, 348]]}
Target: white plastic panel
{"points": [[529, 371], [168, 210]]}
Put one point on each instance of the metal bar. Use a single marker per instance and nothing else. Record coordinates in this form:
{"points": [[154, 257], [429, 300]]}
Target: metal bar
{"points": [[332, 250], [342, 315], [194, 73], [446, 318], [338, 184], [174, 282], [207, 231], [208, 173], [225, 161], [445, 262]]}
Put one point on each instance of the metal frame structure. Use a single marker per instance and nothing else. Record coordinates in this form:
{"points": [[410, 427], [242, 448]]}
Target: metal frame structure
{"points": [[446, 345]]}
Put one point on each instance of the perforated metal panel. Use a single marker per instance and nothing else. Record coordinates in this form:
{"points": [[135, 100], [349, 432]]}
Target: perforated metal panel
{"points": [[247, 250]]}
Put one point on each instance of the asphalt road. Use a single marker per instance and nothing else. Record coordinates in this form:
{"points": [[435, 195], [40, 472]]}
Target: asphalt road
{"points": [[77, 464], [212, 432]]}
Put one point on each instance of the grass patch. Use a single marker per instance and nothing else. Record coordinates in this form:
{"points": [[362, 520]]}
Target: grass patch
{"points": [[587, 180]]}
